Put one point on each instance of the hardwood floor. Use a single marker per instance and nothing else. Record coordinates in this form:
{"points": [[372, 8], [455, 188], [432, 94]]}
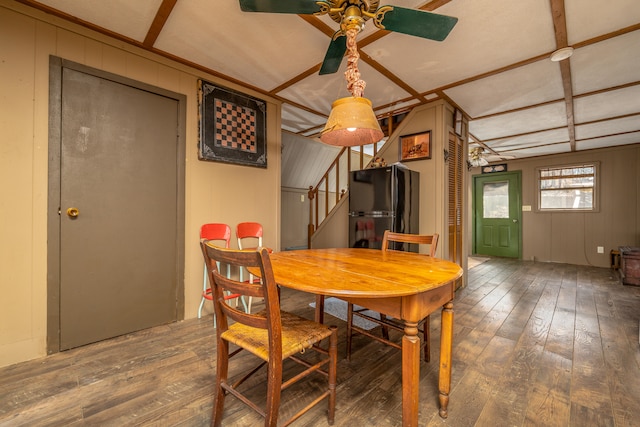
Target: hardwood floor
{"points": [[535, 344]]}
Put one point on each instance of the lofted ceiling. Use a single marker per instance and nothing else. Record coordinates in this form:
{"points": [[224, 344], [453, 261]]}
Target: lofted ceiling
{"points": [[494, 65]]}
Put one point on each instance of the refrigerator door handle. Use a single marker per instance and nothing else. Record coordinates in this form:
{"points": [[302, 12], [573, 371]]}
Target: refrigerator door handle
{"points": [[377, 214], [380, 214]]}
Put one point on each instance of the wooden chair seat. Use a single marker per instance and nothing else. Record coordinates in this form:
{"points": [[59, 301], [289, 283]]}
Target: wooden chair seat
{"points": [[298, 334]]}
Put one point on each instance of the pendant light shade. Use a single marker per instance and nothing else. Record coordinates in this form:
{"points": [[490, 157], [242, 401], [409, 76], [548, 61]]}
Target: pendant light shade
{"points": [[351, 123]]}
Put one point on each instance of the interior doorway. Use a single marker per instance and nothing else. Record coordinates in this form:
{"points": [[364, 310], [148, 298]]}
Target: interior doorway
{"points": [[116, 206], [497, 215]]}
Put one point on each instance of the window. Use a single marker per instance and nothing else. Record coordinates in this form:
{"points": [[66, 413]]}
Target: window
{"points": [[495, 200], [567, 188]]}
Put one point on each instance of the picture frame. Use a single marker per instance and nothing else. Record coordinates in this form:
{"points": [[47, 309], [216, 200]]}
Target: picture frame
{"points": [[416, 146], [502, 167], [457, 122], [232, 126]]}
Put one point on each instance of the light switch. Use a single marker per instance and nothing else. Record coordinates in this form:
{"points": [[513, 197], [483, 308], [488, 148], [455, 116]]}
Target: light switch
{"points": [[302, 197], [526, 208]]}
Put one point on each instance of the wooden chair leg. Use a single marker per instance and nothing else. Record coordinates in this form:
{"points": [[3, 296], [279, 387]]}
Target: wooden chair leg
{"points": [[333, 372], [222, 372], [319, 315], [427, 340], [274, 387], [385, 329]]}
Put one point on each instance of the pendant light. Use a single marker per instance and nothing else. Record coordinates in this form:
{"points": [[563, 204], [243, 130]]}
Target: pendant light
{"points": [[352, 121]]}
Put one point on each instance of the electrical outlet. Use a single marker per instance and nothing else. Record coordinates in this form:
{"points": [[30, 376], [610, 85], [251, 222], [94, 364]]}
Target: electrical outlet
{"points": [[600, 249], [302, 197]]}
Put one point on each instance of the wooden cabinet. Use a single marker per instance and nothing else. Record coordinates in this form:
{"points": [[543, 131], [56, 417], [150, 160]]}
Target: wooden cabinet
{"points": [[630, 265]]}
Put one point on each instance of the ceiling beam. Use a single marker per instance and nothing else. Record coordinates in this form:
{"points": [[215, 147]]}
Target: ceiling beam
{"points": [[158, 22], [560, 27]]}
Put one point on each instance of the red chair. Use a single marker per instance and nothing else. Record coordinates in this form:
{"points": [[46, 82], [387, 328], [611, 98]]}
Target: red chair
{"points": [[249, 233], [220, 233]]}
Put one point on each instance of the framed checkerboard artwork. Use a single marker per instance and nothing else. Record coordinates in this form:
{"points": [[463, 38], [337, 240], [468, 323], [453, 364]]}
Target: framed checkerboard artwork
{"points": [[232, 126]]}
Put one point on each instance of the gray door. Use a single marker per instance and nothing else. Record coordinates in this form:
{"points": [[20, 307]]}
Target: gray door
{"points": [[119, 259], [497, 215]]}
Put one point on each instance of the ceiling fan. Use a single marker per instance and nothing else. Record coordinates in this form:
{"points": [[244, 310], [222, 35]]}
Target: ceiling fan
{"points": [[477, 157], [352, 14]]}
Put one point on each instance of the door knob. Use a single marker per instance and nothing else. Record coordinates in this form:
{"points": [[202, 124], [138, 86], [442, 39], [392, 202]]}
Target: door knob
{"points": [[515, 220], [73, 212]]}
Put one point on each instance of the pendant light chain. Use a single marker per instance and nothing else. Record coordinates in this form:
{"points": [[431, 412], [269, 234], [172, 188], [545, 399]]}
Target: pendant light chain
{"points": [[355, 84]]}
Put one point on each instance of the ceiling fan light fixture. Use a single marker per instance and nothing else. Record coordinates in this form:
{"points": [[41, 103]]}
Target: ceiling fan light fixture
{"points": [[476, 157], [479, 162], [561, 54], [351, 123]]}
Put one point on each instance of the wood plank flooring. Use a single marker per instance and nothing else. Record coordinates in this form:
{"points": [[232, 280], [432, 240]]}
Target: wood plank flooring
{"points": [[535, 344]]}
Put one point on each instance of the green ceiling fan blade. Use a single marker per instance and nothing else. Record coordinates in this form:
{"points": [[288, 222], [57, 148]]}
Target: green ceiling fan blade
{"points": [[417, 22], [335, 53], [282, 6]]}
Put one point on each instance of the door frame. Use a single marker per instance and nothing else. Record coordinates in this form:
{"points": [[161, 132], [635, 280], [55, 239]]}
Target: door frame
{"points": [[499, 176], [56, 66]]}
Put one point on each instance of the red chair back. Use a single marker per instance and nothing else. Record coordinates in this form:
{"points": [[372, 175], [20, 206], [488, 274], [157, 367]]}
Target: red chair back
{"points": [[216, 231], [249, 229]]}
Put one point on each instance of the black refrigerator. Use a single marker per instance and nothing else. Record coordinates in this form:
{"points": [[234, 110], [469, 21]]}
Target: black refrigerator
{"points": [[380, 199]]}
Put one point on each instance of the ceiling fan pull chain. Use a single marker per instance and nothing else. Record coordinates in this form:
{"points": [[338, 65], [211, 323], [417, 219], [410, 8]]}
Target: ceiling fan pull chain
{"points": [[355, 84]]}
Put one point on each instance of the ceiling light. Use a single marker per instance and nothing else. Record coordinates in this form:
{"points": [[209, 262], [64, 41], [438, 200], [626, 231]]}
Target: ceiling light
{"points": [[476, 157], [561, 54], [352, 121], [479, 162]]}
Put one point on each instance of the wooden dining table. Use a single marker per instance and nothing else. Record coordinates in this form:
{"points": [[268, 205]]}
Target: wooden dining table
{"points": [[403, 285]]}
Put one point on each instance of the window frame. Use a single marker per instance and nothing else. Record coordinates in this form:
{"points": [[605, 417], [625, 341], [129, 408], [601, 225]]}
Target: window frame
{"points": [[595, 188]]}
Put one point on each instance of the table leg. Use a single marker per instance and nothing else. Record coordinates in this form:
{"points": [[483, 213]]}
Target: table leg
{"points": [[410, 374], [446, 344]]}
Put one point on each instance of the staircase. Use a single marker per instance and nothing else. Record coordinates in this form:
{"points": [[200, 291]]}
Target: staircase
{"points": [[333, 186]]}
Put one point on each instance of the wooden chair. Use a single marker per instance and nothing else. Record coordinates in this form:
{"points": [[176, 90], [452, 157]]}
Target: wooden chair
{"points": [[390, 242], [271, 334], [220, 233]]}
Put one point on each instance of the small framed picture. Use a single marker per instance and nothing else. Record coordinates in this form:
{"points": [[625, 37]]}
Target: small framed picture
{"points": [[502, 167], [457, 122], [416, 146]]}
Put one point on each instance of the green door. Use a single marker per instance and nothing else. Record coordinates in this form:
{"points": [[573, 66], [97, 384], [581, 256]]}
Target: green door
{"points": [[497, 214]]}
